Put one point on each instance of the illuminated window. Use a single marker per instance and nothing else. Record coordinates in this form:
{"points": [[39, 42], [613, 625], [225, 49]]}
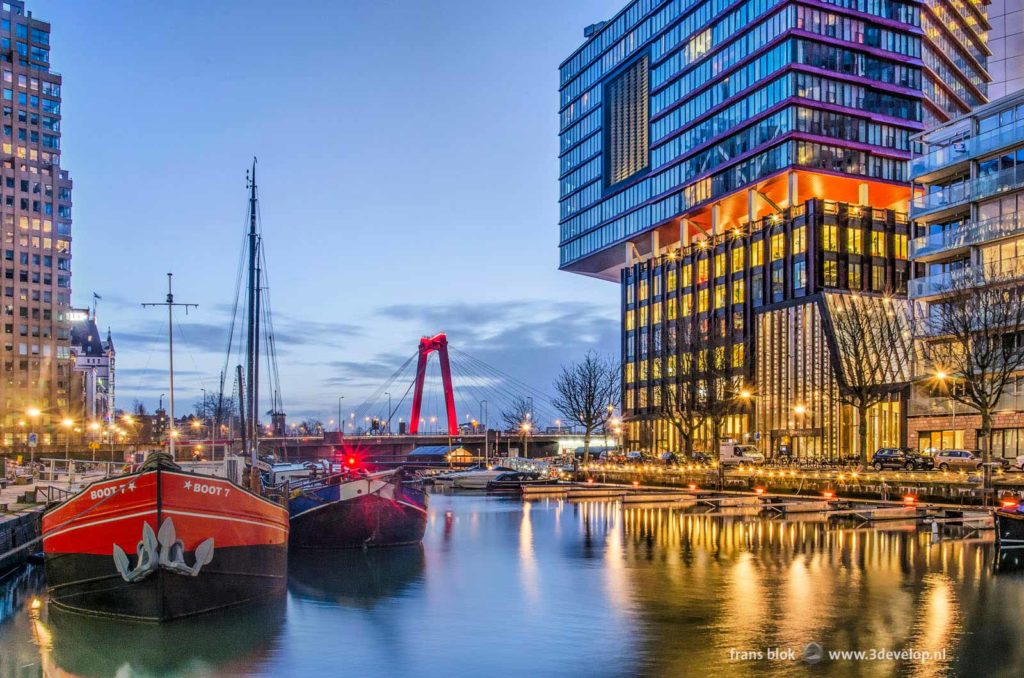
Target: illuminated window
{"points": [[719, 296], [778, 246], [720, 264], [642, 289], [877, 244], [830, 236], [853, 276], [686, 305], [831, 271], [738, 289], [630, 320], [670, 365], [687, 275], [670, 280], [626, 102], [671, 308], [699, 45], [757, 253], [643, 316], [702, 271], [702, 301], [799, 240], [737, 259], [854, 240], [630, 373], [656, 369], [901, 246], [737, 355], [656, 313], [643, 370]]}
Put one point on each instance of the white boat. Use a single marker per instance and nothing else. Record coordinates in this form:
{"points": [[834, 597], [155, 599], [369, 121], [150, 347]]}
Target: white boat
{"points": [[475, 478]]}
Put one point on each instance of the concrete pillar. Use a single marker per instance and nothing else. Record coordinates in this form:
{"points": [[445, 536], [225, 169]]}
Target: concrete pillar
{"points": [[655, 241], [751, 205], [862, 194], [684, 233], [716, 227], [792, 185]]}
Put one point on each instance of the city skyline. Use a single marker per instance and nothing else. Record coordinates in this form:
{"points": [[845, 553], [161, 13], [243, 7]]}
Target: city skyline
{"points": [[177, 170]]}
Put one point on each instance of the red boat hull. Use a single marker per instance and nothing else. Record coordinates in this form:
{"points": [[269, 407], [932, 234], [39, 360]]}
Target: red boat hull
{"points": [[162, 545]]}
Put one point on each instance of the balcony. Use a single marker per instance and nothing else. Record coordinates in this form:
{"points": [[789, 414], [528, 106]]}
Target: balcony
{"points": [[989, 272], [962, 151], [936, 202], [932, 284], [971, 234]]}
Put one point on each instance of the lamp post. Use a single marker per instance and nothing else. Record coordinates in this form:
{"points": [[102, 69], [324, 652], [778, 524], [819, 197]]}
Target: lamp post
{"points": [[94, 426], [526, 439], [483, 420], [67, 424], [340, 420], [388, 394]]}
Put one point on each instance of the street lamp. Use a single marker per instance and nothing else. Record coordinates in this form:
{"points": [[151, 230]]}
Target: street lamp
{"points": [[33, 413], [525, 428], [340, 419]]}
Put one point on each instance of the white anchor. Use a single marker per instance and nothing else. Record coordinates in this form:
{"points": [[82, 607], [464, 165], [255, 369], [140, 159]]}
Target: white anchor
{"points": [[169, 554]]}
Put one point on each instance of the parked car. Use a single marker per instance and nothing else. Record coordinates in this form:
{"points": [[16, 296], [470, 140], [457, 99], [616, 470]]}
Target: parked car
{"points": [[1019, 462], [900, 458], [699, 458], [635, 457], [668, 458], [946, 460]]}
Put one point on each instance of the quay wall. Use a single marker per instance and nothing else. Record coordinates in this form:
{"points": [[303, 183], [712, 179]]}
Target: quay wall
{"points": [[19, 538]]}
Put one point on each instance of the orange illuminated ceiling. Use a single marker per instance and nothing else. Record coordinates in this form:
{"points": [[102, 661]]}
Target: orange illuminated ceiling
{"points": [[733, 208]]}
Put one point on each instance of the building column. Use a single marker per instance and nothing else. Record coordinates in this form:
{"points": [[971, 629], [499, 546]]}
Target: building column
{"points": [[655, 244], [716, 215], [792, 186], [862, 194]]}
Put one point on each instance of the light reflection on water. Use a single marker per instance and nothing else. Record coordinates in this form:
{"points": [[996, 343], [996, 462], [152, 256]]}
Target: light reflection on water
{"points": [[549, 588]]}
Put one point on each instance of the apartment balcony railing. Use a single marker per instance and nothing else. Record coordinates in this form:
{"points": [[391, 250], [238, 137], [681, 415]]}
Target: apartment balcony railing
{"points": [[973, 233], [990, 272], [993, 140], [933, 284], [977, 189]]}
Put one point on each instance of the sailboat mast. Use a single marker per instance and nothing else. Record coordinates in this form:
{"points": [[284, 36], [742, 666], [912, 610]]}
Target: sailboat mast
{"points": [[252, 342], [170, 358], [256, 362]]}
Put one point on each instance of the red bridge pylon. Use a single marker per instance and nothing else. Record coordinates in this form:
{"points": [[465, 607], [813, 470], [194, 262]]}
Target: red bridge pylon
{"points": [[428, 345]]}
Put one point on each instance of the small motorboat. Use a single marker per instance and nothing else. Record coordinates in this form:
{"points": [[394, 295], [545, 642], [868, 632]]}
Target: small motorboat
{"points": [[476, 478], [515, 481]]}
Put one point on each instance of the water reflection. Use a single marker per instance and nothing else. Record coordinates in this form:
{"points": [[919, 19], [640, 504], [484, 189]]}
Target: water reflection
{"points": [[565, 589], [354, 578]]}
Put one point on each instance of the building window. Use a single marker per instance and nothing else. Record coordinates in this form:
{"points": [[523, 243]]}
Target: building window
{"points": [[878, 278], [901, 246], [877, 244], [831, 269], [737, 259], [757, 253], [854, 277], [737, 291], [854, 240], [627, 102], [778, 246], [799, 274], [799, 240]]}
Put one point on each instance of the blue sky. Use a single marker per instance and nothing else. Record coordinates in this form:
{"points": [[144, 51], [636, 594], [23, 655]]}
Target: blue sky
{"points": [[408, 174]]}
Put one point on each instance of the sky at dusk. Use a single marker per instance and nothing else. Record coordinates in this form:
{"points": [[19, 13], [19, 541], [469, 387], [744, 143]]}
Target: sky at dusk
{"points": [[407, 171]]}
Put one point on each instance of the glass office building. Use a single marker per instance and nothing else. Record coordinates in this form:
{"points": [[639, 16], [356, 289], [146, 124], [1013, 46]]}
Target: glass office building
{"points": [[35, 218], [688, 125]]}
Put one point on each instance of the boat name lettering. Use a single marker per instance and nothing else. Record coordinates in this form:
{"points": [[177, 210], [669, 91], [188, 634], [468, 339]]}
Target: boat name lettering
{"points": [[104, 492], [215, 490]]}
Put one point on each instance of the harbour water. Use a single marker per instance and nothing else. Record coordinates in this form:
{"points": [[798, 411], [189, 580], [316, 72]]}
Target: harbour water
{"points": [[550, 588]]}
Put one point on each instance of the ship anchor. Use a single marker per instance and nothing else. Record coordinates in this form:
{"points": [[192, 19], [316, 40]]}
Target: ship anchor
{"points": [[163, 550]]}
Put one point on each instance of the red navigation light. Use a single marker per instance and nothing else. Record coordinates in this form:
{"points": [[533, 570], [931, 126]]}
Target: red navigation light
{"points": [[910, 500], [759, 490], [350, 462], [636, 483], [590, 481], [828, 494], [692, 486], [1008, 503]]}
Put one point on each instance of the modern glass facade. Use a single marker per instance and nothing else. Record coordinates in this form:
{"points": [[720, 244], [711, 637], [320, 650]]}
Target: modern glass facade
{"points": [[740, 92], [969, 181], [753, 300], [779, 134], [35, 220]]}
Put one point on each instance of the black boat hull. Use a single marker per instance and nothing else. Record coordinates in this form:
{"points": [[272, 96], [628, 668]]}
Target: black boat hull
{"points": [[84, 583], [360, 522], [1010, 530]]}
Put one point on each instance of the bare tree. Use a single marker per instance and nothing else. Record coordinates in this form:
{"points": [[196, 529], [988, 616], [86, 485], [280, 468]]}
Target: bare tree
{"points": [[311, 427], [874, 349], [587, 394], [519, 412], [716, 396], [138, 407], [974, 335], [679, 406]]}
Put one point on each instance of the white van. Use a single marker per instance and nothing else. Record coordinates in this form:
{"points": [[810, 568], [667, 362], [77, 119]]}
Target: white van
{"points": [[735, 453]]}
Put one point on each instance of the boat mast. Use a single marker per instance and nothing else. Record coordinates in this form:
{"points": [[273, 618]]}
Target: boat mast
{"points": [[252, 344], [170, 304]]}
